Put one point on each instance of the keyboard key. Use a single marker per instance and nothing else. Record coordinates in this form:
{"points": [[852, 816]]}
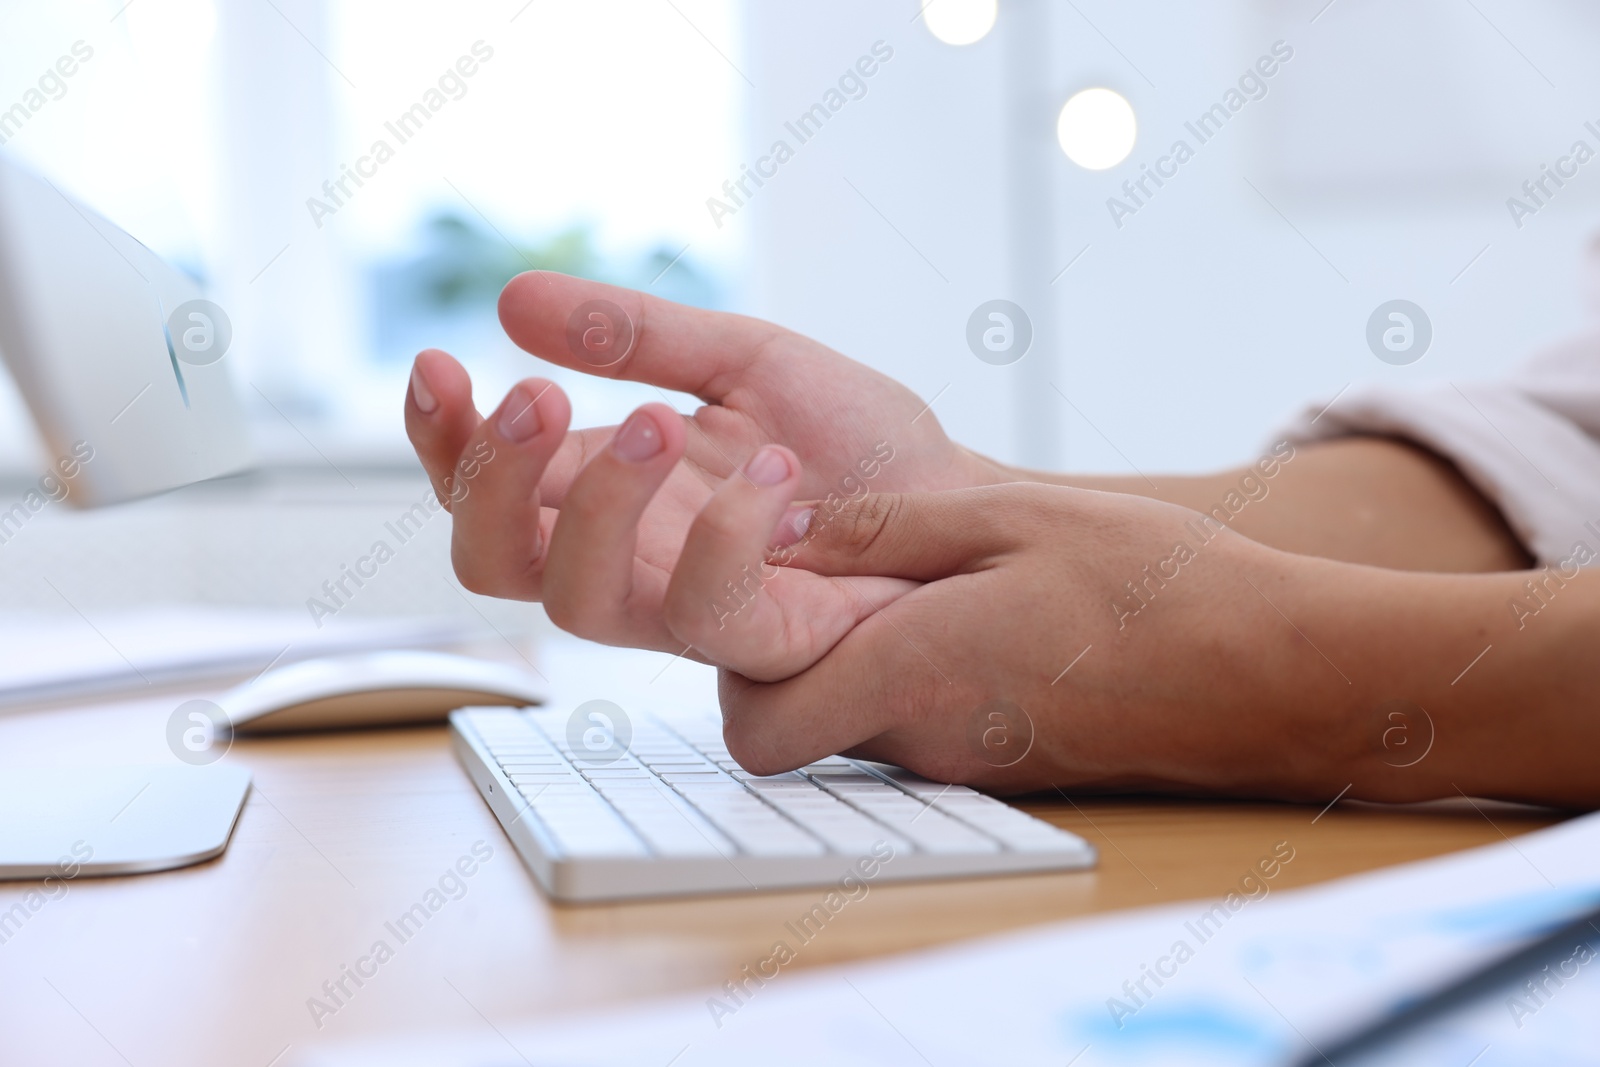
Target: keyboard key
{"points": [[593, 841], [551, 797], [864, 789], [552, 778], [773, 841], [552, 766], [931, 831], [844, 827], [854, 840], [670, 824], [607, 786], [1024, 833]]}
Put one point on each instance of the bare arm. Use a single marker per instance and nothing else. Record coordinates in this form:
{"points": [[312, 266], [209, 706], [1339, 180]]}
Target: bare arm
{"points": [[1487, 698], [1372, 500], [1220, 667]]}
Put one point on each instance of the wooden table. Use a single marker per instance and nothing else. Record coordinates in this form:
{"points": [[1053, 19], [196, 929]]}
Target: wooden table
{"points": [[343, 832]]}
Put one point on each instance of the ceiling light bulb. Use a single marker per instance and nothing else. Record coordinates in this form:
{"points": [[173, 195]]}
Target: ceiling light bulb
{"points": [[1097, 128]]}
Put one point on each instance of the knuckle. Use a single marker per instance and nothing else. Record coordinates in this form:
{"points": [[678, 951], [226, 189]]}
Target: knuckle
{"points": [[579, 612], [751, 750], [565, 613], [690, 618], [570, 611], [747, 727], [855, 528], [474, 578], [718, 524], [583, 507]]}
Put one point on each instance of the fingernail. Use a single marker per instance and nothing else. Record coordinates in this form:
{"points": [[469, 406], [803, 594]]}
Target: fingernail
{"points": [[768, 467], [639, 439], [519, 419], [792, 528], [427, 403]]}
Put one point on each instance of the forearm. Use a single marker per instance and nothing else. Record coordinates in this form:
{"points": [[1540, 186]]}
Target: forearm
{"points": [[1366, 500], [1417, 686]]}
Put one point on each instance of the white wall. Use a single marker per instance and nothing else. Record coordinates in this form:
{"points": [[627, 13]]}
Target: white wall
{"points": [[1390, 142]]}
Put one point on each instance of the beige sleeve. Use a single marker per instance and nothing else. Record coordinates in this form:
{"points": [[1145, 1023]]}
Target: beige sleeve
{"points": [[1530, 443]]}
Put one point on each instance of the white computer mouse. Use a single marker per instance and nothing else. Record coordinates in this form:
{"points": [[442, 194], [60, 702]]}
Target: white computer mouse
{"points": [[373, 689]]}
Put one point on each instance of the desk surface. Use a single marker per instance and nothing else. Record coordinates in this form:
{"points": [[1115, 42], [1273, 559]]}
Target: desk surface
{"points": [[343, 832]]}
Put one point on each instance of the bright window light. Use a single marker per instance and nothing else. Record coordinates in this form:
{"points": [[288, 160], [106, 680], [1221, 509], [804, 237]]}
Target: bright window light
{"points": [[960, 21], [1097, 129]]}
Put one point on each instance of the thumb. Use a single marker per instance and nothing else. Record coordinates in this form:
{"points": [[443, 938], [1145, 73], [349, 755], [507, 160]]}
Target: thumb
{"points": [[921, 536]]}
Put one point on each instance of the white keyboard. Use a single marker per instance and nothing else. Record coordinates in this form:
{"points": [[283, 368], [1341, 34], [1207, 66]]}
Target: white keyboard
{"points": [[672, 813]]}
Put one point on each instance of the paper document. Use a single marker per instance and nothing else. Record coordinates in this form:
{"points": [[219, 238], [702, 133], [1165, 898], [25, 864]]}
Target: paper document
{"points": [[50, 657], [1236, 982]]}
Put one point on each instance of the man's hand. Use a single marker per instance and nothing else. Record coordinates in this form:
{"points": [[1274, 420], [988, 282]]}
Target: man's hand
{"points": [[592, 521], [1097, 641], [1056, 637]]}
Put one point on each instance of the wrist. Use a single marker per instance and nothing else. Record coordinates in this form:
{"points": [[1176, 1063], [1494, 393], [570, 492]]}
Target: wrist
{"points": [[1339, 687], [1276, 658], [1216, 690]]}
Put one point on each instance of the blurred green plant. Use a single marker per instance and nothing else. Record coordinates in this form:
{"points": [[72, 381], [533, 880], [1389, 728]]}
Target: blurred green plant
{"points": [[460, 266], [464, 265]]}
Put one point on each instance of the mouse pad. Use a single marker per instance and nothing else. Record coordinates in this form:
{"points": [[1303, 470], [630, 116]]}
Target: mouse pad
{"points": [[74, 822]]}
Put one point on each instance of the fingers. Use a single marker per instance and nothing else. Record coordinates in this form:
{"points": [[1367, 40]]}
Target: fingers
{"points": [[440, 418], [853, 696], [499, 534], [921, 536], [877, 695], [620, 333], [739, 610], [593, 585]]}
